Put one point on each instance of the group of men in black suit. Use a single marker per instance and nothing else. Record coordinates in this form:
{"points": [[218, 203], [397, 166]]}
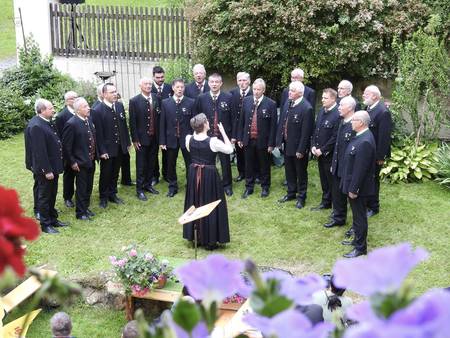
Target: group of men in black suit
{"points": [[159, 118]]}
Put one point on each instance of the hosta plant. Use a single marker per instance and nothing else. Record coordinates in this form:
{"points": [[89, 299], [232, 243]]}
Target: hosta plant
{"points": [[443, 165], [410, 163]]}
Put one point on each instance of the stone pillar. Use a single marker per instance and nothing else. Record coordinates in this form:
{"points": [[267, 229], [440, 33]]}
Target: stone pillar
{"points": [[35, 21]]}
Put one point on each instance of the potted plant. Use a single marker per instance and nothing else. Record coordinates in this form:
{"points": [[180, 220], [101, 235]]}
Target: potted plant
{"points": [[140, 271]]}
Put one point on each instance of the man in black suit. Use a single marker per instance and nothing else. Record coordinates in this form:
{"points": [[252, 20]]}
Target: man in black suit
{"points": [[218, 107], [69, 176], [343, 137], [294, 132], [358, 181], [310, 94], [345, 89], [257, 129], [381, 128], [176, 114], [323, 140], [199, 85], [29, 163], [144, 111], [162, 91], [113, 142], [46, 163], [99, 96], [238, 94], [80, 147]]}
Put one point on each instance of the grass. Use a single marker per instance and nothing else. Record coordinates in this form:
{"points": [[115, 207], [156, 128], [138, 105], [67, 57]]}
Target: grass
{"points": [[271, 233]]}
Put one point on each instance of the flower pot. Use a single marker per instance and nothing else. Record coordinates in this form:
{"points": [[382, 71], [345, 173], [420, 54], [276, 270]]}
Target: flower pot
{"points": [[162, 280]]}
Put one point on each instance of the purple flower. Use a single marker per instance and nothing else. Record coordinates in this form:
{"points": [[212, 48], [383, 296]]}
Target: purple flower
{"points": [[288, 324], [211, 279], [299, 290], [426, 317], [121, 262], [383, 270], [133, 253]]}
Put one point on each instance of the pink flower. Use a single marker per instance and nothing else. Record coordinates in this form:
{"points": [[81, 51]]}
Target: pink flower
{"points": [[113, 259], [133, 253]]}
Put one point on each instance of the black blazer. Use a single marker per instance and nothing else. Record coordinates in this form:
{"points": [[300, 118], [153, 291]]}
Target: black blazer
{"points": [[166, 90], [96, 103], [300, 126], [204, 104], [140, 119], [266, 122], [309, 94], [325, 132], [381, 128], [170, 115], [61, 118], [112, 130], [77, 138], [46, 148], [28, 143], [192, 90], [344, 135], [237, 109], [359, 165]]}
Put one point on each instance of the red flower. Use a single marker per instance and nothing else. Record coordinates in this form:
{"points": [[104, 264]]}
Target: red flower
{"points": [[13, 227]]}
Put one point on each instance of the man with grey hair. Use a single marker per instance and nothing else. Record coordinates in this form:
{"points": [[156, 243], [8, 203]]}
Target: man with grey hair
{"points": [[69, 175], [99, 96], [359, 182], [61, 325], [344, 135], [309, 94], [218, 108], [242, 90], [44, 158], [199, 85], [257, 130], [345, 88], [381, 128], [80, 147], [294, 133]]}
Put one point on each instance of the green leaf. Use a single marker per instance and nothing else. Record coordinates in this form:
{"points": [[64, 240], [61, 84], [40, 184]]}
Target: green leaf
{"points": [[186, 315]]}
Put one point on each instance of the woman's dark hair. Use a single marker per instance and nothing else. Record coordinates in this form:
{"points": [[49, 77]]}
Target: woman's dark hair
{"points": [[333, 301], [198, 122]]}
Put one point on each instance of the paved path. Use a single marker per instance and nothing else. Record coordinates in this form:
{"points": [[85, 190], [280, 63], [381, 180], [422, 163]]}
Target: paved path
{"points": [[7, 63]]}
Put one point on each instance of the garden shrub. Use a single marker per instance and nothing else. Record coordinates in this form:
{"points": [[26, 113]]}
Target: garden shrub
{"points": [[328, 39], [14, 113], [177, 68], [443, 165]]}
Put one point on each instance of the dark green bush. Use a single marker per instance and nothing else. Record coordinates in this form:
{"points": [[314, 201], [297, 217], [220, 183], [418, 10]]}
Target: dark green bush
{"points": [[14, 112], [328, 39], [443, 165], [177, 68]]}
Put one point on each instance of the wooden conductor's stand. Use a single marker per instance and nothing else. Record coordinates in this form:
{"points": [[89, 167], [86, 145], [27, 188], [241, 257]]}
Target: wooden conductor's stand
{"points": [[194, 214]]}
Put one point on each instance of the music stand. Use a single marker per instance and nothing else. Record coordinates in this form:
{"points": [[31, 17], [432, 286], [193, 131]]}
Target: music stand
{"points": [[192, 214]]}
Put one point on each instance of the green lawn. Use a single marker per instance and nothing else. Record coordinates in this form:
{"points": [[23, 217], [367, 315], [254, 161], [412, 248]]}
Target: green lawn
{"points": [[272, 234]]}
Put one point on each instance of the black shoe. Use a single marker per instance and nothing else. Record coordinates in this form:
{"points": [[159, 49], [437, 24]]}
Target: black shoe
{"points": [[141, 196], [84, 218], [128, 184], [239, 178], [171, 193], [300, 204], [321, 206], [37, 215], [354, 253], [152, 190], [155, 181], [228, 191], [69, 203], [103, 204], [347, 242], [59, 224], [286, 198], [332, 224], [48, 229], [115, 199], [349, 233], [371, 213], [90, 213], [264, 193], [247, 193], [257, 181]]}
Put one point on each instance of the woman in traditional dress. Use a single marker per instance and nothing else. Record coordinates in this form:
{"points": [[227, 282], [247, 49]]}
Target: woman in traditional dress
{"points": [[204, 184]]}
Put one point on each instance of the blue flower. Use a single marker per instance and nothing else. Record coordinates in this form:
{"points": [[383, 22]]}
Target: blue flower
{"points": [[382, 271], [288, 324], [212, 279]]}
